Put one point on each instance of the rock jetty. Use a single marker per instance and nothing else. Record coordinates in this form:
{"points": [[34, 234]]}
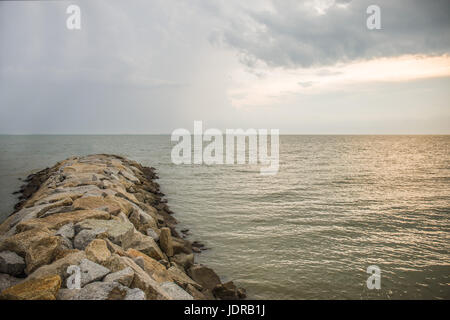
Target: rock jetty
{"points": [[98, 228]]}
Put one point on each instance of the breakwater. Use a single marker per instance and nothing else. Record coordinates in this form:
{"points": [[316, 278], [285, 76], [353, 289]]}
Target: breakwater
{"points": [[97, 227]]}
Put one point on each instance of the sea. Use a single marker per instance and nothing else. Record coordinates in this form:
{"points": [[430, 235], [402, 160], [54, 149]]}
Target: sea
{"points": [[338, 206]]}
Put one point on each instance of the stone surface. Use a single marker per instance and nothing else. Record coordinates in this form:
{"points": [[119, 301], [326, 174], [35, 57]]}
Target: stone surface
{"points": [[228, 291], [181, 278], [19, 243], [124, 277], [183, 259], [59, 267], [67, 231], [135, 294], [175, 292], [42, 252], [152, 233], [56, 221], [146, 245], [36, 289], [84, 238], [204, 276], [141, 279], [118, 232], [97, 251], [155, 269], [165, 240], [11, 263], [7, 281], [91, 271]]}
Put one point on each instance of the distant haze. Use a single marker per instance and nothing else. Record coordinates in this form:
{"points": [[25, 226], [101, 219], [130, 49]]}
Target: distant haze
{"points": [[144, 67]]}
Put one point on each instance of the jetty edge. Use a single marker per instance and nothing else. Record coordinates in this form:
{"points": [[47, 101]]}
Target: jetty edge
{"points": [[97, 227]]}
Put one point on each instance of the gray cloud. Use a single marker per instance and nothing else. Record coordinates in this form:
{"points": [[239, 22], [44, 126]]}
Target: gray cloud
{"points": [[292, 34]]}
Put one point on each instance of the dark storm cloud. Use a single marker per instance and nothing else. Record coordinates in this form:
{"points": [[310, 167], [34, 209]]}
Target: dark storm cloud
{"points": [[292, 33]]}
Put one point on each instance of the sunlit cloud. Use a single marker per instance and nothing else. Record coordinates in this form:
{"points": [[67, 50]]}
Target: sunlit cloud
{"points": [[265, 86]]}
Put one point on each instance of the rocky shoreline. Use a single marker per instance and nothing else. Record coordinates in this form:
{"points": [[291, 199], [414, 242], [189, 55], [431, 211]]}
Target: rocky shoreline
{"points": [[98, 228]]}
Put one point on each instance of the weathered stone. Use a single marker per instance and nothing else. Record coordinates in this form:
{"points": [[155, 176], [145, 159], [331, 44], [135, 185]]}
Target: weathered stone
{"points": [[97, 251], [146, 245], [135, 294], [7, 281], [84, 237], [181, 246], [141, 279], [91, 271], [124, 277], [19, 243], [42, 252], [118, 232], [175, 292], [196, 294], [67, 231], [11, 263], [96, 203], [67, 294], [228, 291], [165, 240], [66, 244], [59, 266], [152, 233], [181, 278], [56, 221], [183, 259], [35, 289], [204, 276], [156, 270]]}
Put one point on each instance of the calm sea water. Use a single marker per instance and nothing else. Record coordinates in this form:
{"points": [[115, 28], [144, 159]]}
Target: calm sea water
{"points": [[338, 205]]}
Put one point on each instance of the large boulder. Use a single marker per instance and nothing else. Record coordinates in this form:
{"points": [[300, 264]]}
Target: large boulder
{"points": [[204, 276], [42, 252], [56, 221], [124, 277], [7, 281], [175, 292], [181, 278], [59, 266], [119, 232], [91, 271], [155, 269], [228, 291], [146, 245], [165, 240], [35, 289], [141, 279], [21, 242], [11, 263], [97, 251], [183, 259]]}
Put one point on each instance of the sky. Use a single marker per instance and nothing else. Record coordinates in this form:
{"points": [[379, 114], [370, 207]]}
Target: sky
{"points": [[150, 67]]}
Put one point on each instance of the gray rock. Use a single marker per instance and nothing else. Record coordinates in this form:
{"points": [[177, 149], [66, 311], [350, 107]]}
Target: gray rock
{"points": [[97, 291], [11, 263], [84, 237], [135, 294], [91, 271], [124, 277], [67, 294], [152, 233], [119, 232], [7, 281], [175, 292], [204, 276], [66, 243], [183, 259], [67, 231]]}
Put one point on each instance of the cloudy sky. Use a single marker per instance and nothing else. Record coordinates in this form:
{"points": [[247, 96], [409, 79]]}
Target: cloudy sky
{"points": [[308, 67]]}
